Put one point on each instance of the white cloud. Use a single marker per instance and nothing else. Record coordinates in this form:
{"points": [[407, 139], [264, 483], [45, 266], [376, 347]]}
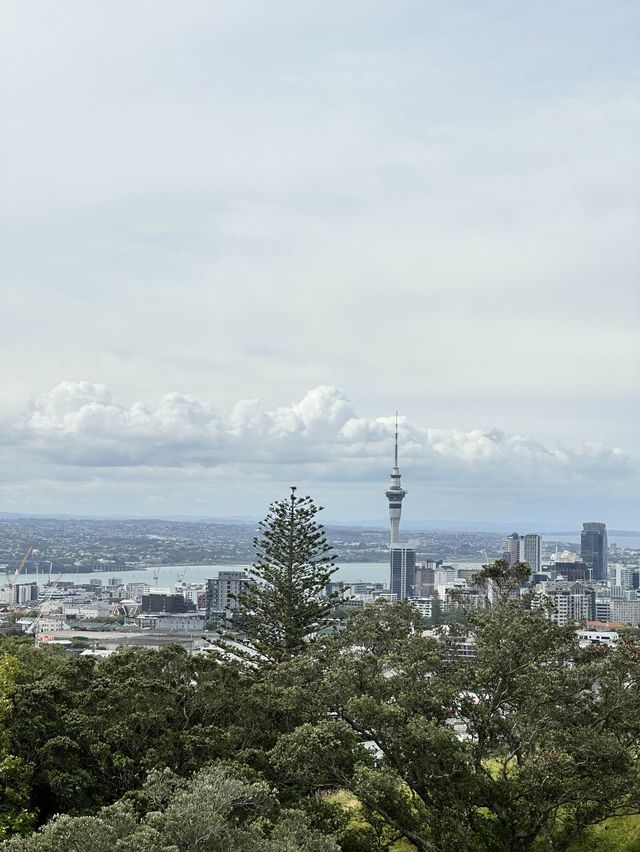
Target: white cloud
{"points": [[84, 424]]}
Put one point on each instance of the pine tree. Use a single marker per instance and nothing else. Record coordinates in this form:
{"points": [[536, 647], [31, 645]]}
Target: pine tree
{"points": [[284, 599]]}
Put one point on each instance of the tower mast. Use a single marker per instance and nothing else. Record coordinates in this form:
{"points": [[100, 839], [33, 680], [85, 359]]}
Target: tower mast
{"points": [[395, 457]]}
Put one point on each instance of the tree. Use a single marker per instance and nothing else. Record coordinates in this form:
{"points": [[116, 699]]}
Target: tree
{"points": [[221, 808], [91, 730], [502, 581], [524, 745], [15, 776], [284, 600]]}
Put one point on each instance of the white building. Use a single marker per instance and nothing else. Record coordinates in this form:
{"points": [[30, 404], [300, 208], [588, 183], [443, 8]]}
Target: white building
{"points": [[620, 576], [179, 622], [423, 605], [223, 591], [626, 612], [531, 551], [569, 602], [597, 637]]}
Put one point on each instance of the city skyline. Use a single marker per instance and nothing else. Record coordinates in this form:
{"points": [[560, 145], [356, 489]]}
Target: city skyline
{"points": [[264, 266]]}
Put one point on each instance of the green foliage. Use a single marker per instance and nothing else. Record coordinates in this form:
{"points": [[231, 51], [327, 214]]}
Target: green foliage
{"points": [[284, 599], [15, 776], [218, 810], [501, 580], [549, 733], [377, 735], [92, 730], [618, 834]]}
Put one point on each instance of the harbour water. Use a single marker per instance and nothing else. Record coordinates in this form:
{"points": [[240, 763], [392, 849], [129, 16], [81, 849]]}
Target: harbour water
{"points": [[375, 572]]}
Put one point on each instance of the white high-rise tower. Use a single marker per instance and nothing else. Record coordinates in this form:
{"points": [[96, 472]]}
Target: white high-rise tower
{"points": [[395, 494]]}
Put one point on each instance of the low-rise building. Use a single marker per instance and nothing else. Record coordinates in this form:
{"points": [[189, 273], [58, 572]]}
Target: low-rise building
{"points": [[593, 636], [180, 622]]}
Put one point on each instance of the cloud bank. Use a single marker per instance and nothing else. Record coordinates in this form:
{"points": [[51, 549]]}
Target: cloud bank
{"points": [[82, 424]]}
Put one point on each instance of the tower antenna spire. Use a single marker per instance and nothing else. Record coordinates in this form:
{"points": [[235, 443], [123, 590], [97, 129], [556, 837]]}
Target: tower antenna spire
{"points": [[395, 457]]}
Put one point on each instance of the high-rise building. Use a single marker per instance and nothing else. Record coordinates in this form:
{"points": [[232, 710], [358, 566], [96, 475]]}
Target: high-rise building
{"points": [[223, 591], [512, 548], [570, 602], [402, 563], [594, 549], [395, 495], [425, 576], [25, 593], [530, 551]]}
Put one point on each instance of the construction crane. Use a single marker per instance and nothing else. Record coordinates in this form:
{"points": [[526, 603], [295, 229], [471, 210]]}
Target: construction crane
{"points": [[11, 581], [156, 575]]}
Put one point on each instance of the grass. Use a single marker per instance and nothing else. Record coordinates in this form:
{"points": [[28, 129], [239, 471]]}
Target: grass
{"points": [[617, 834], [358, 821]]}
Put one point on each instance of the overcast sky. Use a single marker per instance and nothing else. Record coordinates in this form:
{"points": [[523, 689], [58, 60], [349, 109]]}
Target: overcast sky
{"points": [[236, 236]]}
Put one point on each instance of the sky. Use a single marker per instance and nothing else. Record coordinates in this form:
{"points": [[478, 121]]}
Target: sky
{"points": [[238, 236]]}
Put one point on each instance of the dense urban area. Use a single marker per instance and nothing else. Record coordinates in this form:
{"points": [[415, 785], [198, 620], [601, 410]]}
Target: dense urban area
{"points": [[139, 585]]}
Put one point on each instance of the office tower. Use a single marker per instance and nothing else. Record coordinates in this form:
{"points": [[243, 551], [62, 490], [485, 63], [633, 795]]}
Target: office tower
{"points": [[530, 550], [402, 563], [512, 548], [425, 575], [593, 549], [395, 495]]}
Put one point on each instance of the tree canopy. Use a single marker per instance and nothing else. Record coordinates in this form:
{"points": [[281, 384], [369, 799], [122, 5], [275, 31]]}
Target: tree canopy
{"points": [[501, 733]]}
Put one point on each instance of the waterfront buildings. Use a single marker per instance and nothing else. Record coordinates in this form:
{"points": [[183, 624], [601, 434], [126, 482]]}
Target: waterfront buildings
{"points": [[165, 603]]}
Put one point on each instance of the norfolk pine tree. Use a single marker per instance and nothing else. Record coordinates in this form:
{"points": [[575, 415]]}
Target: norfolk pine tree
{"points": [[284, 600]]}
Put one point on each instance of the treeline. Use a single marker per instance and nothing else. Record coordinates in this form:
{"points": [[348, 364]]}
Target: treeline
{"points": [[374, 736], [530, 741]]}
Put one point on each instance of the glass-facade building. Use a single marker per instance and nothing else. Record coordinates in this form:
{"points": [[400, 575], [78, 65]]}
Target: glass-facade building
{"points": [[594, 549], [402, 563]]}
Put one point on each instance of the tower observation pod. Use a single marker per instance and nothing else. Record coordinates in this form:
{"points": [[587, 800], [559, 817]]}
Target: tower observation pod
{"points": [[395, 494]]}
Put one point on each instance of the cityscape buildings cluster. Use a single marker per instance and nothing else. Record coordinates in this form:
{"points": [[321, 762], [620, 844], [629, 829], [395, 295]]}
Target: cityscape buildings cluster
{"points": [[572, 587], [596, 586]]}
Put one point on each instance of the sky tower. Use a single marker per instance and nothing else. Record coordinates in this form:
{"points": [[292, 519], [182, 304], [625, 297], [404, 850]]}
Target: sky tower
{"points": [[395, 494]]}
